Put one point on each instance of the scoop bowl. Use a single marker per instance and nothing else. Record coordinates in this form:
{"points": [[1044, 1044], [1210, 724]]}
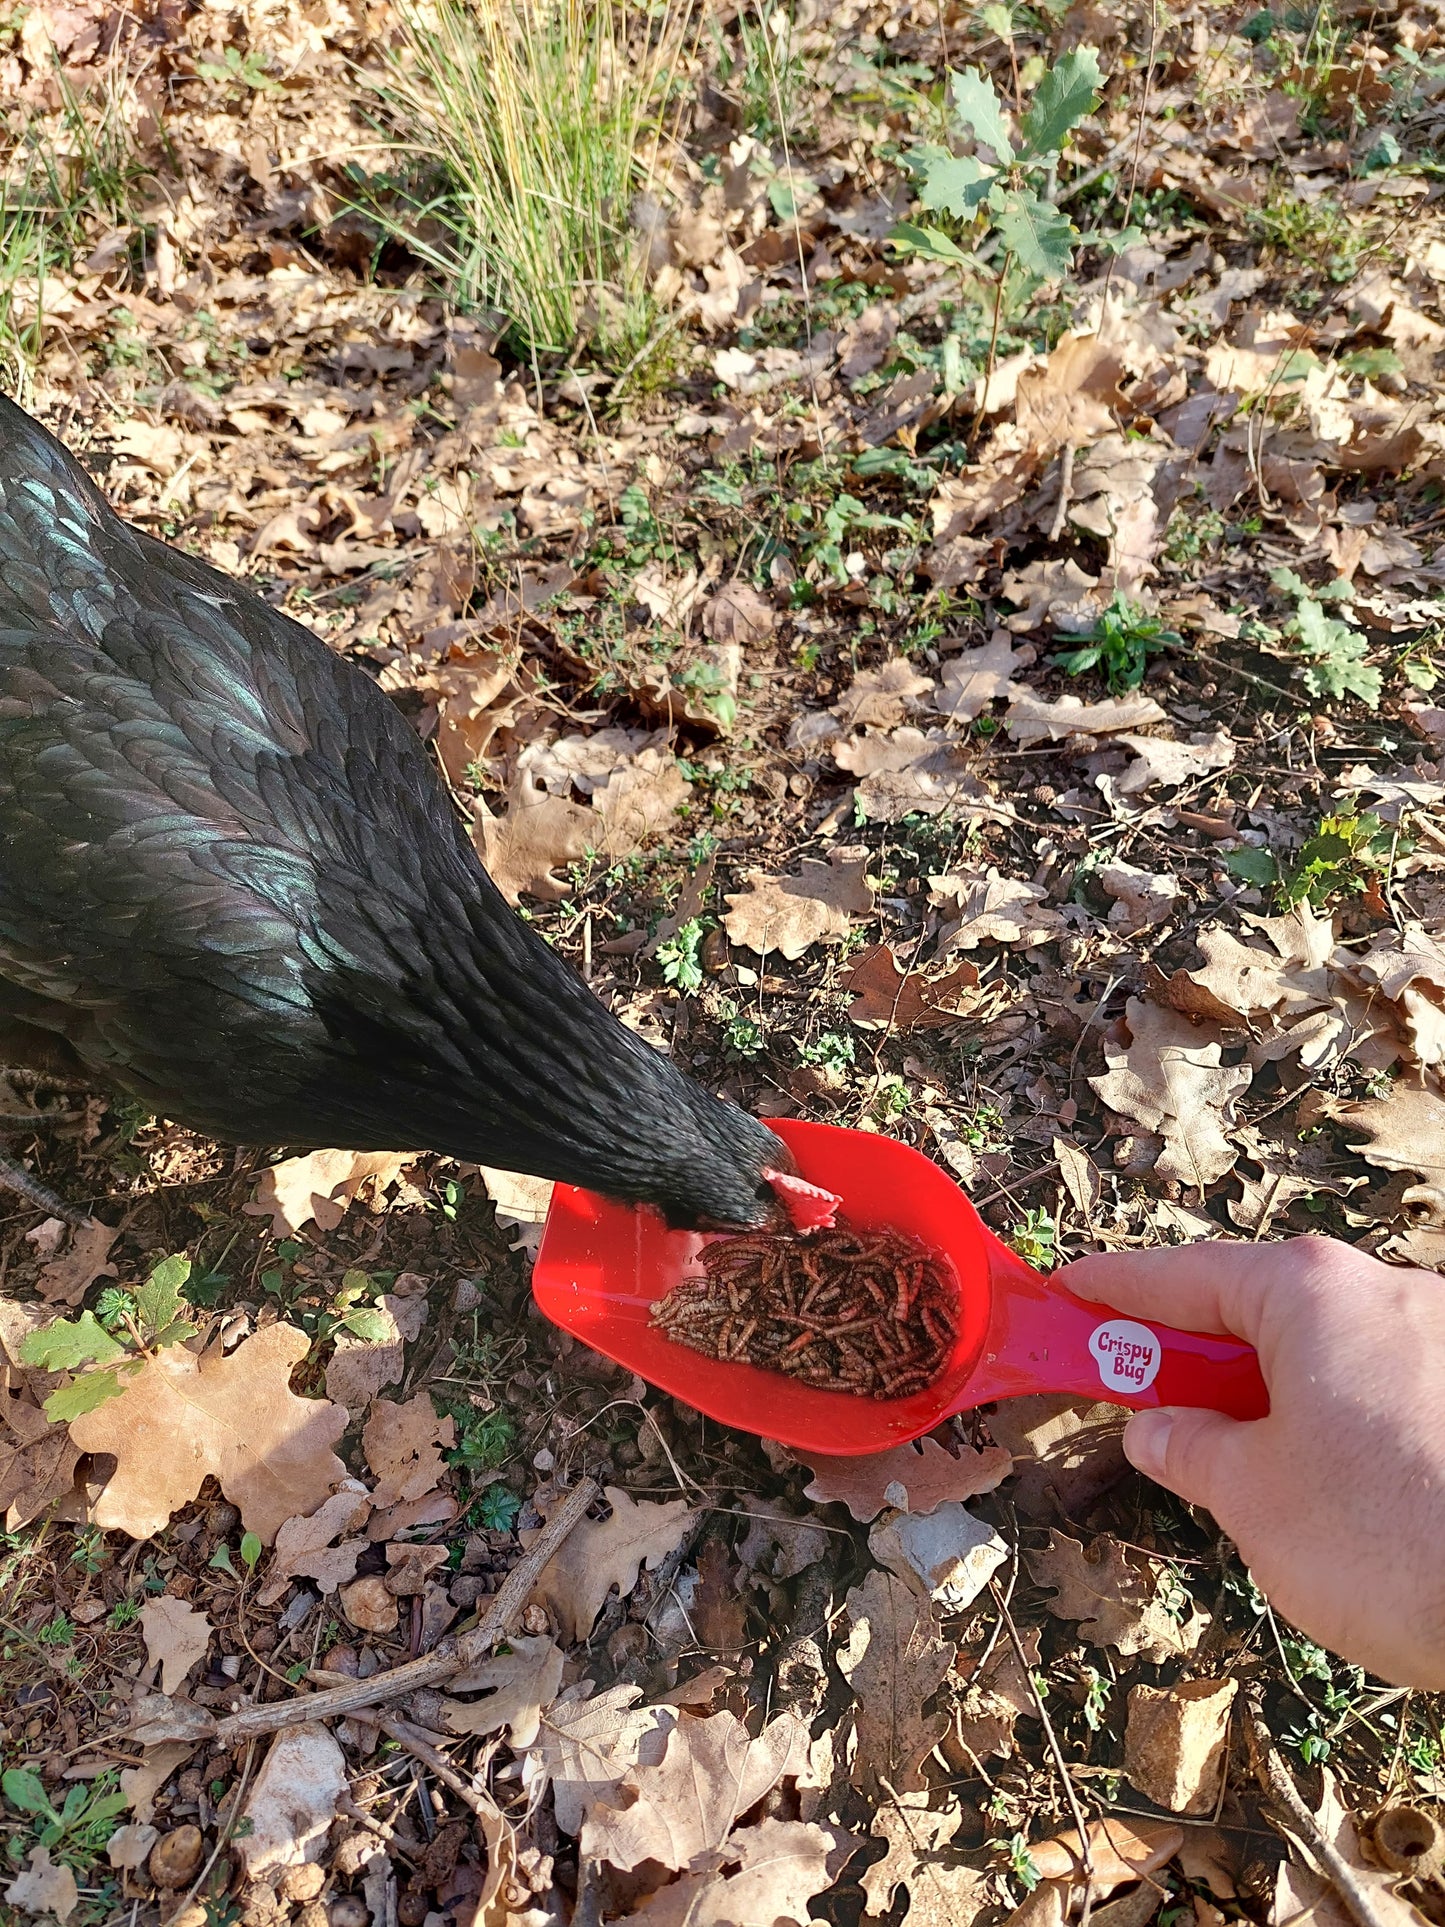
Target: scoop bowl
{"points": [[602, 1266]]}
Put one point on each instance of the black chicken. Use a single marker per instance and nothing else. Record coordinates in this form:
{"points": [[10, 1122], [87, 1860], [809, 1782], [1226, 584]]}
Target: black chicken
{"points": [[232, 885]]}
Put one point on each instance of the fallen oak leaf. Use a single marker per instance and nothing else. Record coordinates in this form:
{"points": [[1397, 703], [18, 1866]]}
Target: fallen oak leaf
{"points": [[65, 1279], [1114, 1595], [881, 697], [539, 835], [587, 1745], [1171, 1080], [1119, 1852], [886, 996], [602, 1553], [45, 1888], [1029, 719], [521, 1684], [908, 772], [912, 1479], [684, 1807], [991, 909], [320, 1186], [978, 677], [768, 1872], [1160, 759], [304, 1547], [176, 1638], [790, 914], [894, 1659], [234, 1415], [401, 1444]]}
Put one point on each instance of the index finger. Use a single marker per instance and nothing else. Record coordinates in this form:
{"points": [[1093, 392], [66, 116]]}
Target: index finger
{"points": [[1214, 1286]]}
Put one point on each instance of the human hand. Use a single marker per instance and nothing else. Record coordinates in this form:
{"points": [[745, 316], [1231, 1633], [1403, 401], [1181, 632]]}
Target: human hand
{"points": [[1336, 1500]]}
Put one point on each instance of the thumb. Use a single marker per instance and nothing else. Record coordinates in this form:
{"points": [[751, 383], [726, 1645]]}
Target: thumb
{"points": [[1193, 1452]]}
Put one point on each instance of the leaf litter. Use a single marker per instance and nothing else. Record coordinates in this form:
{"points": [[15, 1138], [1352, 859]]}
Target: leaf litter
{"points": [[754, 690]]}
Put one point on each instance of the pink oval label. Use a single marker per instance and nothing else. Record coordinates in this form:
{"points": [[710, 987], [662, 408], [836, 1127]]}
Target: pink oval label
{"points": [[1127, 1353]]}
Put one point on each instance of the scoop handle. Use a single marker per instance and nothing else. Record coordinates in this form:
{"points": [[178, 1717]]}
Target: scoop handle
{"points": [[1043, 1339]]}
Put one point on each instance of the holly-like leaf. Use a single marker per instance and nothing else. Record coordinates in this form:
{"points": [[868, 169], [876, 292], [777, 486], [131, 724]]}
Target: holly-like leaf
{"points": [[976, 107], [950, 183], [70, 1343], [1036, 234], [1062, 98], [158, 1300]]}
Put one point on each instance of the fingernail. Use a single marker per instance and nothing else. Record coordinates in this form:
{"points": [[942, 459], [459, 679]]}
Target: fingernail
{"points": [[1146, 1441]]}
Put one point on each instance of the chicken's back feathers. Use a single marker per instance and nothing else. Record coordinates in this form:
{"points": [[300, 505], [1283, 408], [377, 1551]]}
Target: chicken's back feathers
{"points": [[230, 879]]}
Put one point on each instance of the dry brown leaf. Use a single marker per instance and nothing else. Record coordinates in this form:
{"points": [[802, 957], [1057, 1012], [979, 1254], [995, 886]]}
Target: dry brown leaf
{"points": [[402, 1446], [470, 708], [946, 1892], [790, 914], [638, 802], [176, 1638], [1160, 759], [44, 1888], [521, 1202], [911, 1827], [979, 677], [684, 1807], [369, 1606], [588, 1745], [520, 1683], [991, 909], [130, 1846], [996, 1699], [880, 698], [1070, 399], [894, 1659], [780, 1544], [232, 1415], [738, 614], [602, 1553], [1032, 720], [1142, 898], [539, 835], [766, 1873], [914, 1478], [304, 1547], [293, 1803], [320, 1186], [66, 1279], [1112, 497], [1055, 590], [1114, 1594], [1121, 1851], [1175, 1742], [361, 1367], [1407, 968], [718, 1613], [1066, 1453], [1402, 1132], [886, 996], [1171, 1081], [912, 772], [37, 1459], [1280, 980]]}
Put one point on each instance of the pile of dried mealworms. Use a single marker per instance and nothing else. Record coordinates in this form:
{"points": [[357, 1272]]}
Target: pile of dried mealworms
{"points": [[868, 1312]]}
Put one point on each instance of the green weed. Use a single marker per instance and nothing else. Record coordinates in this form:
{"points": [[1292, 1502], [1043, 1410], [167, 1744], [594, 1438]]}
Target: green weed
{"points": [[1337, 651], [1119, 645], [1036, 1239], [523, 121], [681, 956]]}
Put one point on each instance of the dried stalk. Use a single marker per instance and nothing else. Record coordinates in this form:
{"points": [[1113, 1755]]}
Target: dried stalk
{"points": [[455, 1654], [1269, 1770]]}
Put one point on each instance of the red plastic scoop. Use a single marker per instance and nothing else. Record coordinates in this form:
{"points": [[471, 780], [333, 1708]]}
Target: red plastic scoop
{"points": [[602, 1266]]}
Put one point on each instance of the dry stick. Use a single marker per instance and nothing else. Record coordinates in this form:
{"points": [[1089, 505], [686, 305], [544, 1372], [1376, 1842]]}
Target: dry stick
{"points": [[1066, 492], [1086, 1852], [466, 1650], [1270, 1772]]}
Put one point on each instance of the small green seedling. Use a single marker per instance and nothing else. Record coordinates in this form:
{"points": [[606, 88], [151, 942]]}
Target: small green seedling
{"points": [[1337, 650], [140, 1323], [1036, 1239], [1119, 645], [1007, 196], [681, 956], [1344, 857], [85, 1820]]}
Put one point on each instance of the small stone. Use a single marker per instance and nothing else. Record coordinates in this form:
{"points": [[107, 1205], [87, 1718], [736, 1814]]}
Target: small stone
{"points": [[350, 1910], [193, 1916], [412, 1909], [369, 1606], [304, 1882], [176, 1857], [314, 1914]]}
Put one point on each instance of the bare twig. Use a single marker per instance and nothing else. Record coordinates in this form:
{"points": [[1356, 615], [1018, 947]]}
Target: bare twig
{"points": [[1269, 1770], [1066, 491], [464, 1651]]}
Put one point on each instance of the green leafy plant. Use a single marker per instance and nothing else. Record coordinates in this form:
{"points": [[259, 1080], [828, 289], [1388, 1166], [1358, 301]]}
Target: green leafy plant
{"points": [[143, 1322], [238, 69], [831, 1050], [1036, 1239], [742, 1036], [496, 1509], [1342, 858], [1120, 645], [484, 1439], [681, 956], [86, 1818], [1008, 196], [1337, 650], [1021, 1864]]}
